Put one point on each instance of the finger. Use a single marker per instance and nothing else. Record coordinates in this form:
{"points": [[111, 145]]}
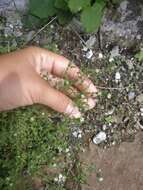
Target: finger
{"points": [[60, 66], [62, 85], [59, 84], [57, 100]]}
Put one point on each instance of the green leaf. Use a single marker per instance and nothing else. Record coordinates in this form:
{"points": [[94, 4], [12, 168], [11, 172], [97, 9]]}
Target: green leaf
{"points": [[64, 17], [78, 5], [42, 9], [139, 55], [31, 21], [61, 4], [91, 17]]}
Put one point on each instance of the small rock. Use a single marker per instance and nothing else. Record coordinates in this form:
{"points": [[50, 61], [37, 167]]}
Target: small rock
{"points": [[100, 179], [100, 55], [141, 110], [117, 77], [114, 52], [100, 137], [130, 64], [89, 54], [91, 41], [140, 98], [77, 134], [104, 127], [131, 95]]}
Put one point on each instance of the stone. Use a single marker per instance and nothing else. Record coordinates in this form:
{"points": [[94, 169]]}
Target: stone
{"points": [[131, 95], [13, 5], [140, 98], [99, 138], [123, 26]]}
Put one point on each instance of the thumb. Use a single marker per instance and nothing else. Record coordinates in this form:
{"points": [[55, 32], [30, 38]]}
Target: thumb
{"points": [[57, 100]]}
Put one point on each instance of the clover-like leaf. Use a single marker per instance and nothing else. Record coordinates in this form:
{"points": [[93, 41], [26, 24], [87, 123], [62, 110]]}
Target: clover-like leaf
{"points": [[91, 17]]}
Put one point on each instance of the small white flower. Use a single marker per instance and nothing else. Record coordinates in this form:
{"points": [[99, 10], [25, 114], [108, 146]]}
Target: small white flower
{"points": [[67, 150], [75, 134], [60, 178], [82, 119], [51, 26], [109, 96], [56, 179], [85, 48], [32, 119], [11, 26], [111, 59], [79, 135], [43, 113]]}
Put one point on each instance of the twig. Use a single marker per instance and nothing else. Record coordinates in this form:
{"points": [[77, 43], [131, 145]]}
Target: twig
{"points": [[40, 30], [110, 88], [79, 36]]}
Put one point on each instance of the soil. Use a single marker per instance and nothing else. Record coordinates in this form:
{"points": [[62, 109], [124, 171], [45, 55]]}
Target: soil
{"points": [[121, 167]]}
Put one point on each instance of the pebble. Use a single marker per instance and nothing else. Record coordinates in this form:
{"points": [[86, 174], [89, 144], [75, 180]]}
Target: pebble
{"points": [[100, 137], [117, 77], [100, 55], [104, 127], [131, 95], [77, 134], [89, 54], [140, 98], [91, 41], [141, 110]]}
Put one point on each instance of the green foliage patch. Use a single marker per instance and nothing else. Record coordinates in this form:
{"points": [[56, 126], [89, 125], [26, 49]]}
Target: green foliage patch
{"points": [[89, 11], [29, 139]]}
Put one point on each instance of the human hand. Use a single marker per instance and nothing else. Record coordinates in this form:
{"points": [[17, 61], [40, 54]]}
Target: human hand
{"points": [[21, 83]]}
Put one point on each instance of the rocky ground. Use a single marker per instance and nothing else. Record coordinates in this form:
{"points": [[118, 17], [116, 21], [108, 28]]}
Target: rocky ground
{"points": [[111, 134]]}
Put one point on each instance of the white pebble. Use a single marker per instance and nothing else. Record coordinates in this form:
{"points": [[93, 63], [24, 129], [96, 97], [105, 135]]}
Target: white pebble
{"points": [[104, 127], [131, 95], [100, 137], [141, 110], [77, 133], [89, 54], [100, 179], [117, 77], [100, 55]]}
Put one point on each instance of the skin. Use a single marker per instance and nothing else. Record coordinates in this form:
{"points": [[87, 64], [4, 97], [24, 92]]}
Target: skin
{"points": [[21, 83]]}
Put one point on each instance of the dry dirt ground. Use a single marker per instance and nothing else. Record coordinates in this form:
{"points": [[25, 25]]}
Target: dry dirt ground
{"points": [[121, 167]]}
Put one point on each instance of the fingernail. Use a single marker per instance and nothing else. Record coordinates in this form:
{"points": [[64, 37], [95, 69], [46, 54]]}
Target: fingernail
{"points": [[92, 88], [73, 111], [89, 103]]}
